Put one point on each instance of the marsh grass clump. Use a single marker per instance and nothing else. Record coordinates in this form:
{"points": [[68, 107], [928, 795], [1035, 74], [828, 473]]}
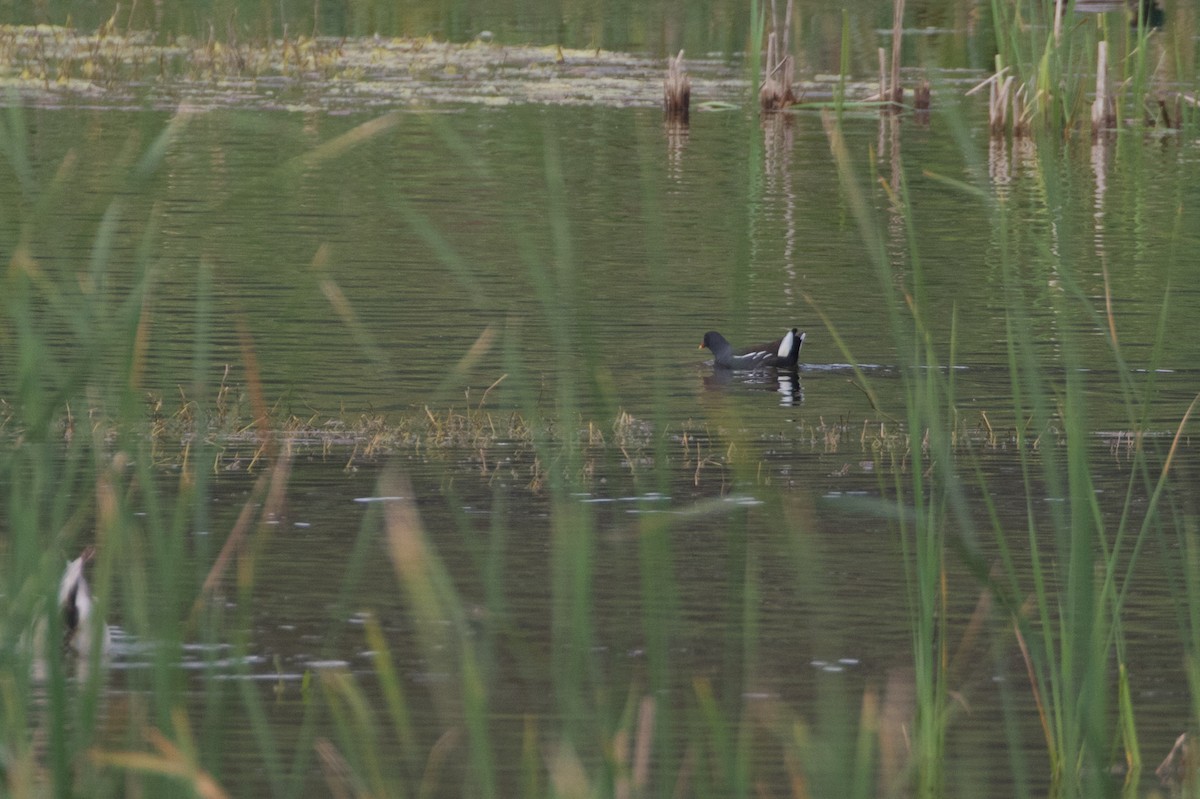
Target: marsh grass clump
{"points": [[503, 444], [498, 444], [487, 438], [1084, 540], [1009, 112], [1057, 67]]}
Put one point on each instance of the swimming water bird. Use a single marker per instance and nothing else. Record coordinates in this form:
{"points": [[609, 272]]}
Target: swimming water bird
{"points": [[76, 609], [76, 605], [783, 353]]}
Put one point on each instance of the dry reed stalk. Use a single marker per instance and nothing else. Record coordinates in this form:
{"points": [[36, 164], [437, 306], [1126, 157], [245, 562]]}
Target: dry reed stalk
{"points": [[894, 720], [632, 758], [677, 90], [172, 756], [1172, 113], [1021, 113], [897, 91], [776, 91], [998, 106], [1162, 114], [1104, 111], [1008, 110], [338, 774], [883, 75], [1037, 695]]}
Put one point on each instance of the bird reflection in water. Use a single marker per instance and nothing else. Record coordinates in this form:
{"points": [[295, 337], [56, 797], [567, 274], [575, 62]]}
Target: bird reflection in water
{"points": [[785, 382]]}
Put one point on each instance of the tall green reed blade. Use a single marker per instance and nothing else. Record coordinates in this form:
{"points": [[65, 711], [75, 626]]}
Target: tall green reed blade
{"points": [[47, 470], [14, 145], [293, 780], [1119, 556], [359, 736], [572, 522], [930, 405], [192, 513], [441, 623], [922, 488], [573, 544], [553, 283], [45, 518], [1081, 627], [839, 96], [720, 745], [1189, 605], [395, 700], [1028, 389], [758, 27], [657, 578], [743, 774], [1083, 648], [659, 613]]}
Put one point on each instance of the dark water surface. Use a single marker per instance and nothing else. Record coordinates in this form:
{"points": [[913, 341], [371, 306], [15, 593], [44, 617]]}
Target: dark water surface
{"points": [[444, 228], [587, 249]]}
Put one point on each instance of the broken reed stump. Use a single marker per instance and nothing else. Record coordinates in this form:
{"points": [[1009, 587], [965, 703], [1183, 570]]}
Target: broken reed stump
{"points": [[1180, 766], [776, 91], [891, 93], [1167, 114], [922, 96], [777, 94], [1008, 109], [677, 90]]}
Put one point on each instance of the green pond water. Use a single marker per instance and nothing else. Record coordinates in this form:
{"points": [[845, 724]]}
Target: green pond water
{"points": [[591, 248]]}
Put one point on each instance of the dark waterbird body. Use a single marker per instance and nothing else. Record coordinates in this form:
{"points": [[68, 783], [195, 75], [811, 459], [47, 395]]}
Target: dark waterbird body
{"points": [[76, 608], [76, 604], [783, 353]]}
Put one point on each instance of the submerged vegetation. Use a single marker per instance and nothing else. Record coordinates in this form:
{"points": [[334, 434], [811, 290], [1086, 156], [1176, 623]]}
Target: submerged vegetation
{"points": [[501, 444], [52, 65]]}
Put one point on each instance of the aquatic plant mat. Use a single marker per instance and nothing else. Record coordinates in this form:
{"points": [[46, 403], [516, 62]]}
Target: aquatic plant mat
{"points": [[503, 444], [49, 65]]}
